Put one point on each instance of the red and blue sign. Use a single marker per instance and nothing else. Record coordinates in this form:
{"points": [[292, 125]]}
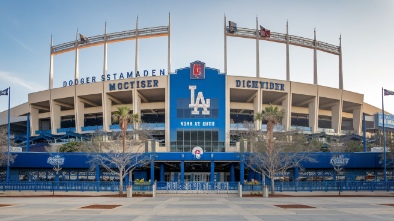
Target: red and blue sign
{"points": [[197, 70]]}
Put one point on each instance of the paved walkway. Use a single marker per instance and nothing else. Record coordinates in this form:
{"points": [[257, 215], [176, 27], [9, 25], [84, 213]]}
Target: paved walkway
{"points": [[198, 207]]}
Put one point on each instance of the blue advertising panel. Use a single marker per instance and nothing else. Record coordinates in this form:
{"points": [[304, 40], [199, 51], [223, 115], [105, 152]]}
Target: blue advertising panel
{"points": [[388, 120], [197, 109]]}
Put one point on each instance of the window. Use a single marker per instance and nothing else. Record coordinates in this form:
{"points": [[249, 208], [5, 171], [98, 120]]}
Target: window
{"points": [[186, 140], [184, 111]]}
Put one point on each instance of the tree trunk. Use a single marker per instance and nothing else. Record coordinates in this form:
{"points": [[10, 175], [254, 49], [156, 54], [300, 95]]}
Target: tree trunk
{"points": [[124, 140], [273, 185], [121, 181], [270, 134]]}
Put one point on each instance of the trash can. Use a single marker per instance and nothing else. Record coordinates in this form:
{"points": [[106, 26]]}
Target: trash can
{"points": [[129, 191]]}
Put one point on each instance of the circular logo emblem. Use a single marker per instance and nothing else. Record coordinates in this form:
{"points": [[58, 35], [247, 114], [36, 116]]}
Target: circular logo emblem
{"points": [[197, 152]]}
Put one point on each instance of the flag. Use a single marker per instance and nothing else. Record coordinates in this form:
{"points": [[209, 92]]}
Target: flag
{"points": [[387, 92], [83, 39], [4, 92], [265, 33], [232, 27]]}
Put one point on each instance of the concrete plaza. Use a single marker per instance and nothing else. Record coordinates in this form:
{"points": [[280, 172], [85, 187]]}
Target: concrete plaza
{"points": [[200, 207]]}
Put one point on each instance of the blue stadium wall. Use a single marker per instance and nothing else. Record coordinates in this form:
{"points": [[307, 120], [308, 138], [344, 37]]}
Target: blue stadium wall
{"points": [[80, 160], [212, 85]]}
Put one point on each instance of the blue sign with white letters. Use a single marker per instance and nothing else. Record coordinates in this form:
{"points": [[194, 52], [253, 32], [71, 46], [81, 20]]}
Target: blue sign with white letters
{"points": [[388, 120]]}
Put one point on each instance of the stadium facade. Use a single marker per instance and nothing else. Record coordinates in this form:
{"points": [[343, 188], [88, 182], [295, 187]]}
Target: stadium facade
{"points": [[194, 106]]}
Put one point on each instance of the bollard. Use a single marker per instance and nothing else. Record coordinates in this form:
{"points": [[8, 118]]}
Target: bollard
{"points": [[265, 191], [240, 190], [154, 190], [129, 191]]}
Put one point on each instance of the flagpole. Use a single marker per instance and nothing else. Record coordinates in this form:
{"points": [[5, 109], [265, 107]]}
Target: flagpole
{"points": [[9, 129], [384, 139]]}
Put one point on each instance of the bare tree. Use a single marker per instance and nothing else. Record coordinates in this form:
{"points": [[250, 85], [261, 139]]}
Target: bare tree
{"points": [[291, 149], [120, 154], [4, 147]]}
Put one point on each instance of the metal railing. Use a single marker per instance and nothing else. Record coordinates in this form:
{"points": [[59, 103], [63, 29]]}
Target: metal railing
{"points": [[325, 186], [306, 130], [92, 128], [61, 130], [277, 127], [153, 126], [66, 186], [43, 131], [197, 187], [117, 127], [111, 37], [241, 126], [293, 40], [326, 130]]}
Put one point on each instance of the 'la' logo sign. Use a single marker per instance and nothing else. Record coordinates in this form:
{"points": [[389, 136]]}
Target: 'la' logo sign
{"points": [[199, 102]]}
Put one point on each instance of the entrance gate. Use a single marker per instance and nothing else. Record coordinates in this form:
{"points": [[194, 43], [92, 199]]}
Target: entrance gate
{"points": [[196, 177], [197, 187]]}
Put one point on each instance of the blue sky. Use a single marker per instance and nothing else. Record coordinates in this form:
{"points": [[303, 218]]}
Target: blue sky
{"points": [[197, 34]]}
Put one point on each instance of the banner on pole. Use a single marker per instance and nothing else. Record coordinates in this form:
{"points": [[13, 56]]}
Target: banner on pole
{"points": [[388, 92], [4, 92]]}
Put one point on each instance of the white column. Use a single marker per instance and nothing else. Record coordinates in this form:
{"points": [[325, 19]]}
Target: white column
{"points": [[257, 50], [76, 76], [51, 65], [135, 93], [55, 116], [225, 45], [169, 45], [340, 64], [103, 93], [107, 118], [314, 60], [357, 120], [137, 108], [287, 53], [136, 48], [336, 116], [79, 115], [34, 120], [76, 72], [286, 105], [313, 110], [257, 108], [105, 67]]}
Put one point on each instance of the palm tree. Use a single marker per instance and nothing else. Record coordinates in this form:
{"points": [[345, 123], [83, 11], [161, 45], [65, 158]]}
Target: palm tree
{"points": [[259, 118], [124, 118], [272, 115]]}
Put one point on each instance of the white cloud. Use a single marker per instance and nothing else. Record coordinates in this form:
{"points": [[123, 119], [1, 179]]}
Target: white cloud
{"points": [[13, 79], [23, 45]]}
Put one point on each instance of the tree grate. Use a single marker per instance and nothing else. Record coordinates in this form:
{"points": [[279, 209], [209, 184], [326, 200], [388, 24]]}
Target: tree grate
{"points": [[389, 204], [100, 206], [2, 205], [295, 206]]}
